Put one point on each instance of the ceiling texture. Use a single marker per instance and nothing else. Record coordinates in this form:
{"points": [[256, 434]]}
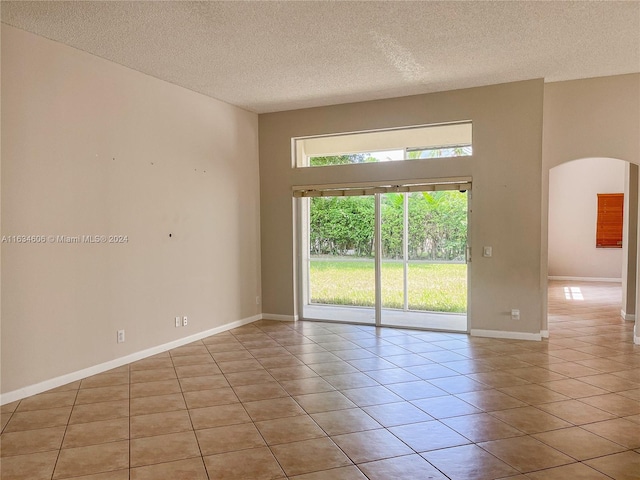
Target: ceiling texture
{"points": [[268, 56]]}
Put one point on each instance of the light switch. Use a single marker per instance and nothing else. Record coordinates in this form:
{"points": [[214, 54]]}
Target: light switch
{"points": [[487, 251]]}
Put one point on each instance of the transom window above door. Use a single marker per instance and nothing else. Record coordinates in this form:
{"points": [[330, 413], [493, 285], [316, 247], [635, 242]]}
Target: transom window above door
{"points": [[398, 144]]}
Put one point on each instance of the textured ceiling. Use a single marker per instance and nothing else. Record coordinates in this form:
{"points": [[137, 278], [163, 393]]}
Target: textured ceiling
{"points": [[281, 55]]}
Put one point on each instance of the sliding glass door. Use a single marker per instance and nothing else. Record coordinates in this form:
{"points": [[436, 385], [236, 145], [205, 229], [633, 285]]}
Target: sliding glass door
{"points": [[423, 255], [340, 259], [390, 258]]}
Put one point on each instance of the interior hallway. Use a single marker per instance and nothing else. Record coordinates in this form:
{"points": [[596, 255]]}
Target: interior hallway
{"points": [[276, 400]]}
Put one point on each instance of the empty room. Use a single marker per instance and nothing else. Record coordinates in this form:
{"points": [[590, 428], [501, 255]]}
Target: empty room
{"points": [[339, 240]]}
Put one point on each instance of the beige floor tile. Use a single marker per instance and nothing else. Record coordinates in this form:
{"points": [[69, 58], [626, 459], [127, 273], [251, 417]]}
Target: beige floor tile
{"points": [[371, 445], [85, 434], [618, 430], [307, 385], [273, 408], [367, 396], [218, 416], [604, 365], [292, 373], [468, 462], [574, 388], [192, 349], [526, 454], [153, 375], [632, 394], [4, 419], [309, 456], [36, 419], [200, 359], [324, 402], [209, 398], [571, 369], [427, 436], [394, 414], [232, 355], [249, 378], [612, 383], [535, 374], [346, 421], [160, 423], [163, 448], [578, 443], [235, 366], [575, 412], [269, 352], [614, 403], [481, 427], [262, 391], [197, 370], [280, 361], [94, 412], [151, 389], [115, 475], [157, 404], [533, 394], [152, 363], [253, 464], [107, 379], [574, 470], [35, 466], [191, 469], [415, 390], [405, 467], [209, 382], [92, 459], [530, 419], [47, 400], [229, 438], [621, 466], [445, 407], [10, 407], [102, 394], [340, 473], [350, 380], [31, 441], [333, 368], [490, 400], [496, 379], [290, 429]]}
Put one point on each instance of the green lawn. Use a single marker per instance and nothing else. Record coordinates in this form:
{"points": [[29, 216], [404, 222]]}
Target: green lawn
{"points": [[432, 287]]}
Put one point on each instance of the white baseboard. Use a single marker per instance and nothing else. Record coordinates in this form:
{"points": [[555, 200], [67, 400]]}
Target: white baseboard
{"points": [[282, 318], [636, 335], [629, 317], [511, 335], [544, 333], [118, 362], [585, 279]]}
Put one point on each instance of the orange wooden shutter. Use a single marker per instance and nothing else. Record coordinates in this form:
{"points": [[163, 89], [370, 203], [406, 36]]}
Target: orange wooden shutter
{"points": [[609, 227]]}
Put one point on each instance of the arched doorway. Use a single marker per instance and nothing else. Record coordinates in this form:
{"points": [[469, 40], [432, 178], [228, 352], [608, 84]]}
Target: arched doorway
{"points": [[584, 281]]}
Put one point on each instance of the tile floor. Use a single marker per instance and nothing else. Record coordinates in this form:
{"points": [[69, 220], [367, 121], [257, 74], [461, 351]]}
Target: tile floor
{"points": [[311, 401]]}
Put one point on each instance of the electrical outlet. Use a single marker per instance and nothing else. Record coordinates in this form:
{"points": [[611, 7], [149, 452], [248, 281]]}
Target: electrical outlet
{"points": [[120, 336], [185, 321], [258, 300], [515, 314], [178, 322]]}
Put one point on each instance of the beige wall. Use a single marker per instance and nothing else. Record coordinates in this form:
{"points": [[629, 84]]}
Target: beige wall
{"points": [[596, 117], [90, 147], [506, 169]]}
